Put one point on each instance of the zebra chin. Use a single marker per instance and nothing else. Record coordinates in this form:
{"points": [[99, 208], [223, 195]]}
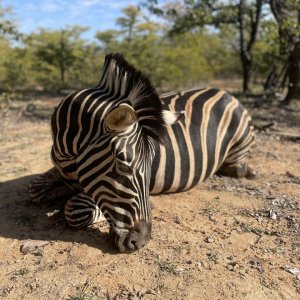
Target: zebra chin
{"points": [[129, 240]]}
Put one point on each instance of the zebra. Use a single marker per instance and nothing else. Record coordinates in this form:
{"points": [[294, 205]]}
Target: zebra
{"points": [[119, 142]]}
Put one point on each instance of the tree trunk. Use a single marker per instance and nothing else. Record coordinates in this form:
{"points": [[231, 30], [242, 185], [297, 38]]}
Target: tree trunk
{"points": [[62, 72], [288, 12], [61, 60], [293, 74], [247, 70], [247, 47]]}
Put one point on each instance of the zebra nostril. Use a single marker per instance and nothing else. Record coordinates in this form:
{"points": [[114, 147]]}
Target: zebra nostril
{"points": [[131, 240], [133, 243]]}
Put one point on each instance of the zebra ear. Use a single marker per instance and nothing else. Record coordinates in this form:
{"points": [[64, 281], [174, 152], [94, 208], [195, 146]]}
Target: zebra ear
{"points": [[171, 117], [120, 118]]}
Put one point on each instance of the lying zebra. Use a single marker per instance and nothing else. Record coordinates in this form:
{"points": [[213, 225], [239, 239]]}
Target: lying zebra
{"points": [[115, 144]]}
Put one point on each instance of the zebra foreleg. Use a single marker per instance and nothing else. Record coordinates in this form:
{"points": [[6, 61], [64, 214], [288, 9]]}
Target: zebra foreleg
{"points": [[82, 211], [48, 187], [237, 170]]}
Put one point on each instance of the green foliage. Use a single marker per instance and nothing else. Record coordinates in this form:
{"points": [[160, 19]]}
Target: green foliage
{"points": [[174, 61], [8, 27], [165, 266], [82, 296], [57, 59], [12, 66], [266, 50], [108, 39], [129, 20]]}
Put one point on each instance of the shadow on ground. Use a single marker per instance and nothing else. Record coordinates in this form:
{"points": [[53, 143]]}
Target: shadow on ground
{"points": [[23, 220]]}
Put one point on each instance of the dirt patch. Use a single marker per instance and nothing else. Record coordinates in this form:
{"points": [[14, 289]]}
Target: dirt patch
{"points": [[224, 239]]}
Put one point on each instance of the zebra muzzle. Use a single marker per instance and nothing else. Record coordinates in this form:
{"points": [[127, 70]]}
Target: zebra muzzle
{"points": [[129, 240]]}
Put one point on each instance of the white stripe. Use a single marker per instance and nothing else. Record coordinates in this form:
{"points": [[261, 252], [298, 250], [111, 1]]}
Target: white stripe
{"points": [[68, 121], [160, 175], [222, 130], [207, 107], [188, 119], [79, 121]]}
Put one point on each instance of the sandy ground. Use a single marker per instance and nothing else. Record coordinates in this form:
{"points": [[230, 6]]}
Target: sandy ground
{"points": [[225, 239]]}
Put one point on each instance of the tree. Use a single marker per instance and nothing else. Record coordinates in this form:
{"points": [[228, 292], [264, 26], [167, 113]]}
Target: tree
{"points": [[265, 53], [7, 26], [129, 20], [55, 53], [11, 74], [246, 47], [287, 15], [243, 15], [108, 39]]}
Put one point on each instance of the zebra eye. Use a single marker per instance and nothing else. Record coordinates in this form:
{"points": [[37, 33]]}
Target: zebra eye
{"points": [[125, 168]]}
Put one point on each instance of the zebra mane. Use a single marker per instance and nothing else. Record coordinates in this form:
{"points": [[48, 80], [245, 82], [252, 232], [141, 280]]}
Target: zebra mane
{"points": [[124, 81]]}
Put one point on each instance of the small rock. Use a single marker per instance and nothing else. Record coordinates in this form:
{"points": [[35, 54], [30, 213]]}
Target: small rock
{"points": [[151, 292], [239, 229], [52, 213], [179, 270], [177, 220], [257, 265], [292, 260], [293, 271], [272, 215], [198, 265], [233, 266], [29, 246], [260, 219], [209, 239], [230, 267]]}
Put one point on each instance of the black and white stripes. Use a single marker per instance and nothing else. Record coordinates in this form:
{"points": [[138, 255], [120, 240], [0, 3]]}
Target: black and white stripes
{"points": [[103, 141], [118, 142], [215, 131]]}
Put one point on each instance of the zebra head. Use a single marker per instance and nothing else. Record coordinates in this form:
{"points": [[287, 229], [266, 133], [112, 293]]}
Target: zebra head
{"points": [[132, 122]]}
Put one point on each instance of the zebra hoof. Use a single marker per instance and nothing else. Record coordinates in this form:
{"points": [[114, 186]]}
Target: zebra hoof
{"points": [[251, 174], [241, 170]]}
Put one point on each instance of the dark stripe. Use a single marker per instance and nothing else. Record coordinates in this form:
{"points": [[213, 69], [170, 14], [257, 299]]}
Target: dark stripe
{"points": [[111, 188], [231, 130], [184, 156], [72, 167], [116, 215], [241, 140], [92, 165], [154, 166], [215, 117], [92, 151], [85, 182], [170, 165], [121, 179], [243, 148]]}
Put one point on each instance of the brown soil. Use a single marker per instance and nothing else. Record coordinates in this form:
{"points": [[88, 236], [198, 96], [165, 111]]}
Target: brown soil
{"points": [[225, 239]]}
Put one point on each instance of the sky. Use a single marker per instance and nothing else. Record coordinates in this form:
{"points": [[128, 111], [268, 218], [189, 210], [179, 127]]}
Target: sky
{"points": [[55, 14]]}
